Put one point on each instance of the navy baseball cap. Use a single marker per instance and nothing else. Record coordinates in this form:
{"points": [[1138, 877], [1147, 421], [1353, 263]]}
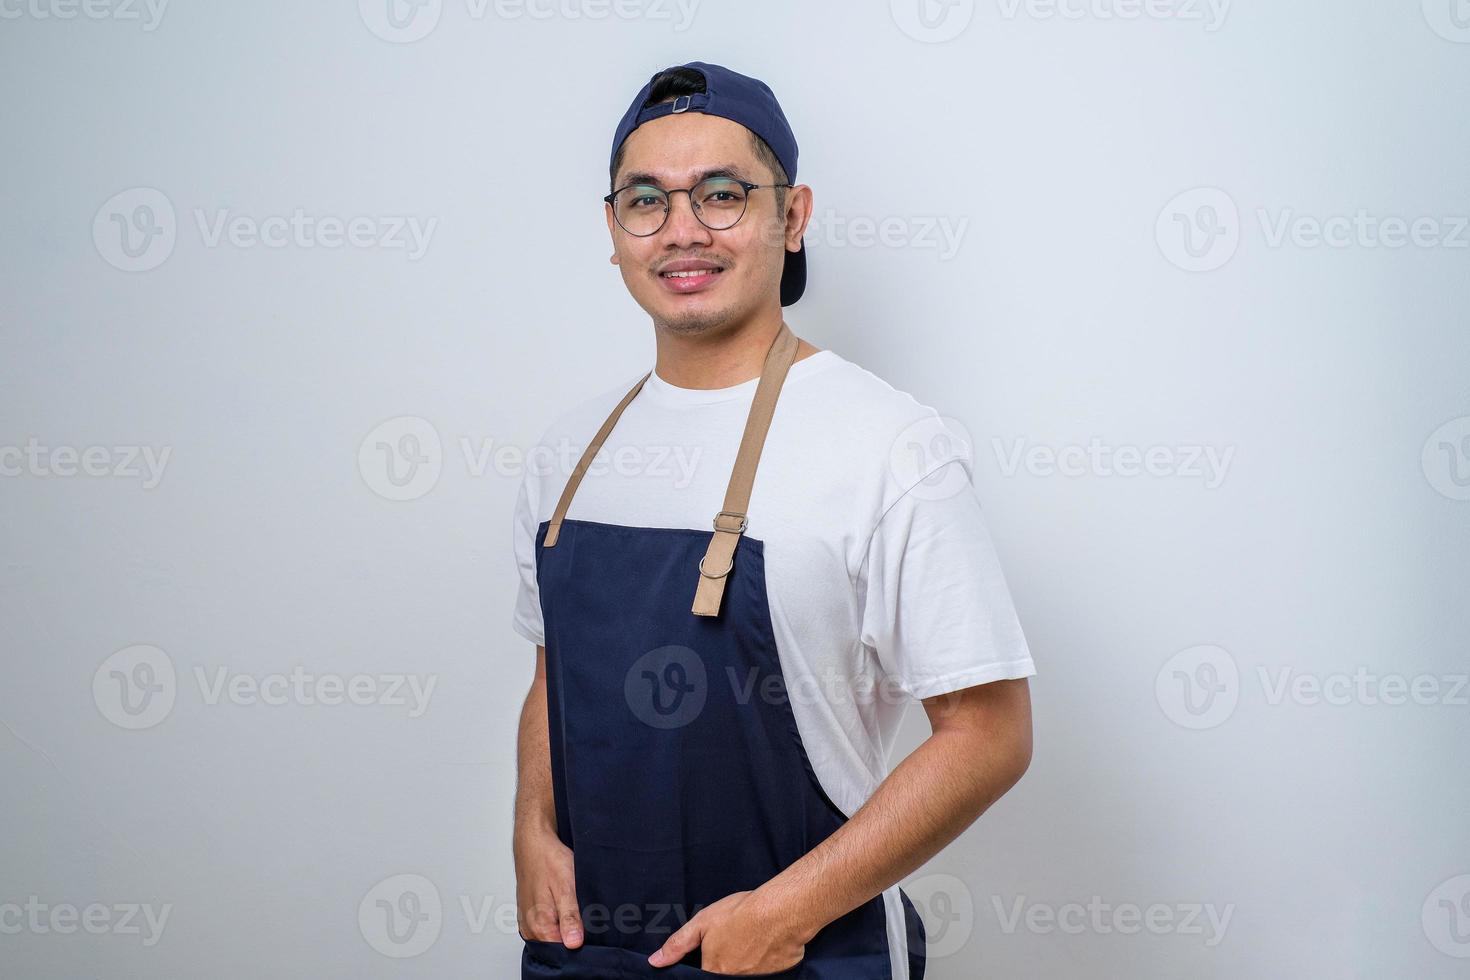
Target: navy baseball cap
{"points": [[751, 103]]}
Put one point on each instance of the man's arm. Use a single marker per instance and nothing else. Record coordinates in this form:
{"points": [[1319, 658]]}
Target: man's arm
{"points": [[546, 894], [979, 749]]}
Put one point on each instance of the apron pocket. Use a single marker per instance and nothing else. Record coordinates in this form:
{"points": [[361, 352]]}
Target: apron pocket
{"points": [[548, 959]]}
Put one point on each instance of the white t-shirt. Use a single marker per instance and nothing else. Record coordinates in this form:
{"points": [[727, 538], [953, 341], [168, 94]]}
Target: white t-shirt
{"points": [[883, 584]]}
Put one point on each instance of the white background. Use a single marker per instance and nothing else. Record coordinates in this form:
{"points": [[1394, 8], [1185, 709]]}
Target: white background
{"points": [[1131, 200]]}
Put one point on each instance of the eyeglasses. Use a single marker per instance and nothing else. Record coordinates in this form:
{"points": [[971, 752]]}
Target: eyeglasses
{"points": [[718, 202]]}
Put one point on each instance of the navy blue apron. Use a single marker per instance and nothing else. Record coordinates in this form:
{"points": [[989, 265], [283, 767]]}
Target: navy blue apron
{"points": [[678, 772]]}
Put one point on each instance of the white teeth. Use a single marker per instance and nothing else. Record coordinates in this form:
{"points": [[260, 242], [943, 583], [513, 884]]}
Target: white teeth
{"points": [[686, 275]]}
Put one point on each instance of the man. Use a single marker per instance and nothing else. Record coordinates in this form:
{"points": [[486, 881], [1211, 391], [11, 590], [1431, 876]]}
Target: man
{"points": [[703, 773]]}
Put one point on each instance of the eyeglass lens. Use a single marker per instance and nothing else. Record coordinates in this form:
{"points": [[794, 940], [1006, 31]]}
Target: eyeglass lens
{"points": [[642, 208]]}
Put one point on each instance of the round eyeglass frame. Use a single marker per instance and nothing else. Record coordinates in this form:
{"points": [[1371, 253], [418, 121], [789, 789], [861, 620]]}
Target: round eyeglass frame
{"points": [[669, 203]]}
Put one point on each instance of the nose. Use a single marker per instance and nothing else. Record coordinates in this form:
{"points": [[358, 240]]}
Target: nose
{"points": [[682, 228]]}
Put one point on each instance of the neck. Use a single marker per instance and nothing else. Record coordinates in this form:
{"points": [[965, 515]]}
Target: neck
{"points": [[720, 359]]}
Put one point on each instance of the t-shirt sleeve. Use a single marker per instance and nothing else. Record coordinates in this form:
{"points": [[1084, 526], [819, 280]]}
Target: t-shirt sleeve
{"points": [[527, 617], [936, 610]]}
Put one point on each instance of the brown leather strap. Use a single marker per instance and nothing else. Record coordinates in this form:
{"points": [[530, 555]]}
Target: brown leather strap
{"points": [[729, 524], [575, 480], [719, 558]]}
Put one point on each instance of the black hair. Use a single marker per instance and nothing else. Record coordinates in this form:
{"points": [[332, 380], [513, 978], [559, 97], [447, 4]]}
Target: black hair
{"points": [[674, 82]]}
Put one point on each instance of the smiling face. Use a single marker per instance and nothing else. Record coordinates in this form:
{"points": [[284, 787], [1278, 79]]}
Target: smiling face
{"points": [[687, 277]]}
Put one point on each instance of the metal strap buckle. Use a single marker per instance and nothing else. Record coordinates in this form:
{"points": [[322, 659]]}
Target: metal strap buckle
{"points": [[688, 101], [722, 574], [732, 530]]}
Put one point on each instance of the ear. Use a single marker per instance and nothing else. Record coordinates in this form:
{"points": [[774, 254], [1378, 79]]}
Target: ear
{"points": [[612, 232], [798, 215]]}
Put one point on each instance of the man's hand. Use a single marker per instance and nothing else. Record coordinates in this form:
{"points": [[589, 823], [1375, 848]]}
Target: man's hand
{"points": [[546, 891], [736, 936]]}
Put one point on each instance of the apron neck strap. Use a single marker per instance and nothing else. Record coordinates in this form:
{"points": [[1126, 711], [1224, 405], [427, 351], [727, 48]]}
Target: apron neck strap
{"points": [[580, 470], [730, 522]]}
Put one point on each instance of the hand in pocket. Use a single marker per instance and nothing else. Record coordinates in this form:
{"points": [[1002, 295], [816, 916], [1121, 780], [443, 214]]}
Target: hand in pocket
{"points": [[546, 891]]}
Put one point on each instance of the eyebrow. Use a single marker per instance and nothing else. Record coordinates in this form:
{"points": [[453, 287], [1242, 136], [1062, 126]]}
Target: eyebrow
{"points": [[724, 170]]}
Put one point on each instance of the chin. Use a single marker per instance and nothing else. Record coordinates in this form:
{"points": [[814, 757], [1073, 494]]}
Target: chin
{"points": [[690, 315], [690, 321]]}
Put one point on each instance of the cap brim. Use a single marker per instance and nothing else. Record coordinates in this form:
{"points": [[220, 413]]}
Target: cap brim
{"points": [[793, 276]]}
